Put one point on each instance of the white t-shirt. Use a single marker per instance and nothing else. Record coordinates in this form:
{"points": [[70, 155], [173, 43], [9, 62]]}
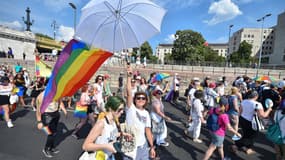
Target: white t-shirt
{"points": [[248, 108], [197, 109], [139, 120], [99, 94]]}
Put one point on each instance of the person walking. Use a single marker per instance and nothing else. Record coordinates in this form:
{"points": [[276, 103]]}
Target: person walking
{"points": [[249, 107], [280, 148], [197, 117], [218, 136], [5, 90], [103, 136], [137, 117], [48, 121]]}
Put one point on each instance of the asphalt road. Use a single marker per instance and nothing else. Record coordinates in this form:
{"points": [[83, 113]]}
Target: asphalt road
{"points": [[25, 142]]}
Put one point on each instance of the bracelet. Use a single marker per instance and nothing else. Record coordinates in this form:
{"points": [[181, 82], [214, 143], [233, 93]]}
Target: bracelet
{"points": [[39, 122]]}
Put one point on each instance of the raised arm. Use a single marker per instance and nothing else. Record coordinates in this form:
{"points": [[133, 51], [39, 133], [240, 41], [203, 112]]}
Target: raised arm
{"points": [[129, 88]]}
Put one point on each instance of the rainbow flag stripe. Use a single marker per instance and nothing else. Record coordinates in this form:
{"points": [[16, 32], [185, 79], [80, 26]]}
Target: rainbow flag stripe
{"points": [[80, 111], [75, 66], [46, 130]]}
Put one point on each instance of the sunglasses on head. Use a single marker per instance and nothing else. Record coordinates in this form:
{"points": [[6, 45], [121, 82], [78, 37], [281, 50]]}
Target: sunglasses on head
{"points": [[141, 98]]}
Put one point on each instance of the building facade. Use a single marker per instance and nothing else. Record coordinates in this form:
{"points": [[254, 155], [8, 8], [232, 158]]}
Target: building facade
{"points": [[19, 41], [278, 56], [162, 50], [253, 37], [220, 48]]}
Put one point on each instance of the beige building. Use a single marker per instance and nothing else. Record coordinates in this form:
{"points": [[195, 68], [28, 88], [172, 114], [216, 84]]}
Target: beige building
{"points": [[220, 48], [253, 37], [162, 50], [19, 41], [278, 56]]}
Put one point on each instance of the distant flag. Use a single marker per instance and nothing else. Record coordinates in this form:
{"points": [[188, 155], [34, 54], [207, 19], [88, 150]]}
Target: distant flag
{"points": [[42, 69], [206, 44], [74, 67]]}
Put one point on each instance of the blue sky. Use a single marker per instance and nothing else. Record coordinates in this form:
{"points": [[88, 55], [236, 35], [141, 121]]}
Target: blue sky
{"points": [[211, 18]]}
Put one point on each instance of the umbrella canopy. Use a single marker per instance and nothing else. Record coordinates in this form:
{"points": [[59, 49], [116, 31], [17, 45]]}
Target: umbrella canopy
{"points": [[160, 77], [114, 25], [265, 78]]}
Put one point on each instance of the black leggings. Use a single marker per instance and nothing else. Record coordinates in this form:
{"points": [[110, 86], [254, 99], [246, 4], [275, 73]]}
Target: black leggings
{"points": [[248, 136], [51, 120]]}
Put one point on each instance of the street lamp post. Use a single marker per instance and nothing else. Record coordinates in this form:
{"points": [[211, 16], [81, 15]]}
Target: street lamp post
{"points": [[74, 8], [261, 37], [228, 54]]}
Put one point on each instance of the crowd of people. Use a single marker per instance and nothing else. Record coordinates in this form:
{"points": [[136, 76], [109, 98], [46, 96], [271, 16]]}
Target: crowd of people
{"points": [[131, 123]]}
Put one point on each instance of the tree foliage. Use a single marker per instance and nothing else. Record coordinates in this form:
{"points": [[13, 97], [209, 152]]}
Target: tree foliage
{"points": [[189, 47], [243, 55]]}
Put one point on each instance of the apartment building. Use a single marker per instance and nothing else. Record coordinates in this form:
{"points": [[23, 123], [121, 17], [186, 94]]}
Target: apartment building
{"points": [[278, 56], [162, 50], [220, 48]]}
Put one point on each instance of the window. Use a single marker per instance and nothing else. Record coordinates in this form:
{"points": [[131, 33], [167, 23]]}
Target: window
{"points": [[252, 36], [244, 36], [248, 36], [283, 57]]}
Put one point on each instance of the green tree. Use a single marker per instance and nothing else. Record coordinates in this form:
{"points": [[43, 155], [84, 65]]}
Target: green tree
{"points": [[145, 50], [185, 46], [243, 55], [189, 47]]}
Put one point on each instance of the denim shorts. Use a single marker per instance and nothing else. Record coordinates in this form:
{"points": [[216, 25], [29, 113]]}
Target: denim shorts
{"points": [[217, 140]]}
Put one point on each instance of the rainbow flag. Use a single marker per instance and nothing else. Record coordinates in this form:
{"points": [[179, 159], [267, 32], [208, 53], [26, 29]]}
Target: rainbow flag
{"points": [[42, 69], [80, 111], [74, 67]]}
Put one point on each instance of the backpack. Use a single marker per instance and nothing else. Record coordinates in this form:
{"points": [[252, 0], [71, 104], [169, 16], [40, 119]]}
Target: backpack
{"points": [[274, 133], [212, 121]]}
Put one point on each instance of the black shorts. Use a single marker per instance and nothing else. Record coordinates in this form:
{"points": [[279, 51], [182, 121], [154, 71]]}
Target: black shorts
{"points": [[4, 99]]}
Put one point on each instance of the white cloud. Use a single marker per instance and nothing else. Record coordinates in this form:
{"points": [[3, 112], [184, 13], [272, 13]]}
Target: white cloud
{"points": [[178, 4], [223, 10], [65, 33], [14, 24], [170, 38]]}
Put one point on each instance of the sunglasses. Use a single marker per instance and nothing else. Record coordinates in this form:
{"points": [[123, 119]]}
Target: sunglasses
{"points": [[141, 98], [99, 78], [133, 81], [159, 93]]}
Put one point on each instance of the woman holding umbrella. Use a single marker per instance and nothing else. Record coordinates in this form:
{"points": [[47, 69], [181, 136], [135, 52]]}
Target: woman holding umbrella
{"points": [[137, 117]]}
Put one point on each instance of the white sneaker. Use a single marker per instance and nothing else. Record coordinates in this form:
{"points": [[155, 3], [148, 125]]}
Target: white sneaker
{"points": [[10, 124], [196, 140], [235, 138]]}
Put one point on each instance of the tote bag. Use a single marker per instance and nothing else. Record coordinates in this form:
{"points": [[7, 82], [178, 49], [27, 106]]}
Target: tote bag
{"points": [[274, 133], [256, 123]]}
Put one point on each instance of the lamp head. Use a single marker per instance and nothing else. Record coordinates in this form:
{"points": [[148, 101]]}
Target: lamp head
{"points": [[72, 5]]}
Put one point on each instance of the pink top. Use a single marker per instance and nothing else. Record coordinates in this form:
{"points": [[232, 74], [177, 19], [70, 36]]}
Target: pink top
{"points": [[223, 121]]}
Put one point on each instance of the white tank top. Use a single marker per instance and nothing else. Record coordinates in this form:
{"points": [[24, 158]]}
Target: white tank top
{"points": [[109, 134]]}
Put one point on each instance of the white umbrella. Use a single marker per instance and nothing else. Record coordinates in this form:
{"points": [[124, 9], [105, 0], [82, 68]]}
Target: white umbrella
{"points": [[119, 24]]}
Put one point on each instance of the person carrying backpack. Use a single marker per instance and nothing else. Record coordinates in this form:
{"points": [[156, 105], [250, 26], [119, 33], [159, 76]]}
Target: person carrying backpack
{"points": [[280, 148], [217, 123]]}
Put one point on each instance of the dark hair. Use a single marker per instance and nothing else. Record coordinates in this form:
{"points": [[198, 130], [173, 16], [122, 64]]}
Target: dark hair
{"points": [[251, 94], [113, 103], [97, 78], [199, 94], [140, 93]]}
